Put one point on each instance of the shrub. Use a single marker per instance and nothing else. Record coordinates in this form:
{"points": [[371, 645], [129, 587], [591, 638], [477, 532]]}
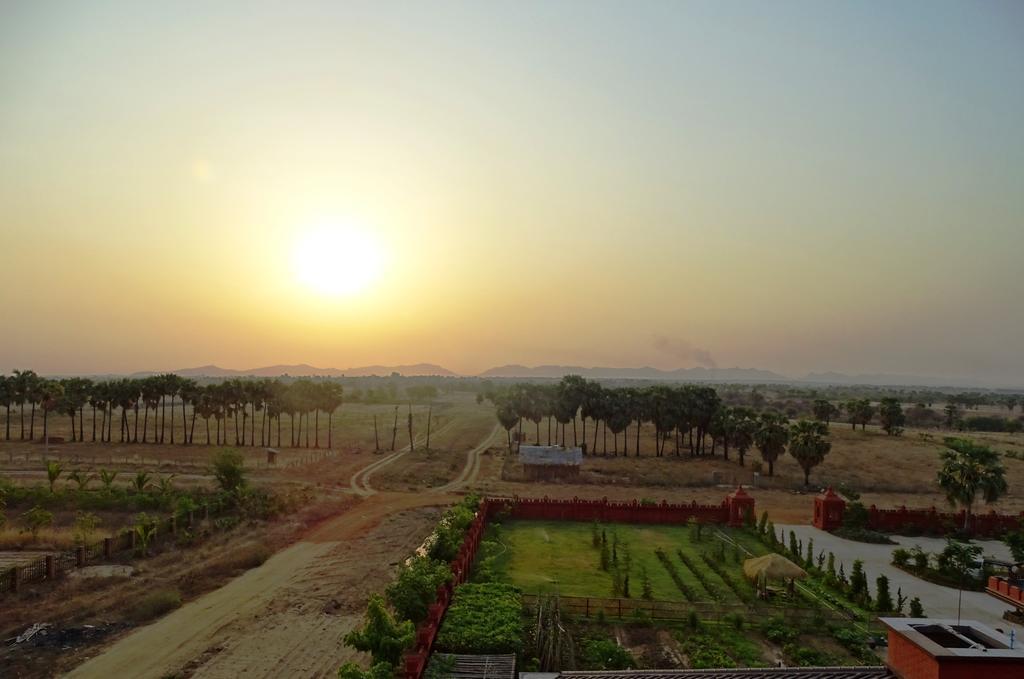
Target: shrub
{"points": [[380, 670], [916, 609], [706, 652], [381, 636], [777, 630], [802, 656], [605, 654], [450, 533], [900, 557], [229, 469], [85, 526], [415, 588], [883, 600], [919, 557], [154, 605], [36, 519]]}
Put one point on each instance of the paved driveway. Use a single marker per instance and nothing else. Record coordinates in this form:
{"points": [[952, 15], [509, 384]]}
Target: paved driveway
{"points": [[938, 601]]}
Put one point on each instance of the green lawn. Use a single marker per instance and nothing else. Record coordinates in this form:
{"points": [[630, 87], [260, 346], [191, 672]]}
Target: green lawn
{"points": [[549, 556]]}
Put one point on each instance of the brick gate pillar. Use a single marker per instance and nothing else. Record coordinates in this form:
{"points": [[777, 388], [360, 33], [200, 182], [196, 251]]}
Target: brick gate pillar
{"points": [[828, 510]]}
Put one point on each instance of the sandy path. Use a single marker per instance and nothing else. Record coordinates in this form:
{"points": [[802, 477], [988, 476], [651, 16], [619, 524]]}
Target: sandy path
{"points": [[287, 617]]}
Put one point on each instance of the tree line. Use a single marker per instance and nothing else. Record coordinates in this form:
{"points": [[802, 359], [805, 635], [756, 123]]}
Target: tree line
{"points": [[244, 405], [688, 418]]}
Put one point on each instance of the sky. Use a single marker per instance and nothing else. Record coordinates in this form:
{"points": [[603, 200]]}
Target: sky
{"points": [[792, 186]]}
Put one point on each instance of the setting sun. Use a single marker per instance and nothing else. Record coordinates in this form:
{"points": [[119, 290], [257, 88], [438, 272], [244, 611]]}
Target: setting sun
{"points": [[336, 260]]}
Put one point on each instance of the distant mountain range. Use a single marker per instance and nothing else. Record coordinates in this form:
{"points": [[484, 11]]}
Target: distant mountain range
{"points": [[645, 373], [306, 370], [699, 374]]}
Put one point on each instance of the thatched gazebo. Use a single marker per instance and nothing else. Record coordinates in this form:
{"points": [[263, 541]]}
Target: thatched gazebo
{"points": [[761, 569]]}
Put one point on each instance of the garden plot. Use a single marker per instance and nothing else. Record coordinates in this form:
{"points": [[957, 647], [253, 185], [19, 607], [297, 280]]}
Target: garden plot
{"points": [[667, 563]]}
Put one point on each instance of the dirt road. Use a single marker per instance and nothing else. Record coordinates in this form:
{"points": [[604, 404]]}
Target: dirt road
{"points": [[287, 617], [472, 469], [360, 483]]}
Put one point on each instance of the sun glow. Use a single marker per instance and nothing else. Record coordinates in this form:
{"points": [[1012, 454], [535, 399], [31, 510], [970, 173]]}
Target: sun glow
{"points": [[337, 260]]}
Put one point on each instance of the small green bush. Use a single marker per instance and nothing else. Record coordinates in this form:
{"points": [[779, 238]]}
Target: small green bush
{"points": [[605, 654]]}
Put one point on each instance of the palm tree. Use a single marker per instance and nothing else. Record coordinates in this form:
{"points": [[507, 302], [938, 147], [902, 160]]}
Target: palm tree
{"points": [[28, 384], [107, 479], [744, 426], [571, 391], [771, 438], [969, 469], [590, 407], [332, 398], [53, 470], [809, 444], [141, 482], [508, 417], [97, 402], [7, 396], [151, 392], [82, 478], [50, 394]]}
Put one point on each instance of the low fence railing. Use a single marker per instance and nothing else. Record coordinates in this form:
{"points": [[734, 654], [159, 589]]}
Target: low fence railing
{"points": [[659, 609], [53, 565]]}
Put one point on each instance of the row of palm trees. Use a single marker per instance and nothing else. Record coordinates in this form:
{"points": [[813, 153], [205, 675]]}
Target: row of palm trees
{"points": [[687, 417], [241, 403]]}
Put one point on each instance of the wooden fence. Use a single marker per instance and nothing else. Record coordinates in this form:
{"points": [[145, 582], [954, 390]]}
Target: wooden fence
{"points": [[680, 610], [52, 566]]}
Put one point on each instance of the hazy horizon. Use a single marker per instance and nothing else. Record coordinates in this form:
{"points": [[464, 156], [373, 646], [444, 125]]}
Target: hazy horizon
{"points": [[796, 187]]}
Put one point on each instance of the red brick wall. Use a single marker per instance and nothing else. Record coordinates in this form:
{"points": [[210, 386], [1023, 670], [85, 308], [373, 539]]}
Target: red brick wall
{"points": [[910, 661], [620, 512], [931, 520]]}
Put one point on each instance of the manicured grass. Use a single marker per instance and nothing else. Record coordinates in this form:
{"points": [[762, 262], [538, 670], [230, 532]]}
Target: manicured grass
{"points": [[550, 556]]}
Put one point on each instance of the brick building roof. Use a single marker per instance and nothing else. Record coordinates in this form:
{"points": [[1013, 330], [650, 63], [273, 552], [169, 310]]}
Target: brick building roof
{"points": [[744, 673]]}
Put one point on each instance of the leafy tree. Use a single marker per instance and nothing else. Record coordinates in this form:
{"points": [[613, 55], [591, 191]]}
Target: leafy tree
{"points": [[890, 412], [809, 444], [860, 411], [771, 438], [1015, 541], [952, 415], [381, 636], [968, 470], [824, 410], [958, 559], [229, 470]]}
